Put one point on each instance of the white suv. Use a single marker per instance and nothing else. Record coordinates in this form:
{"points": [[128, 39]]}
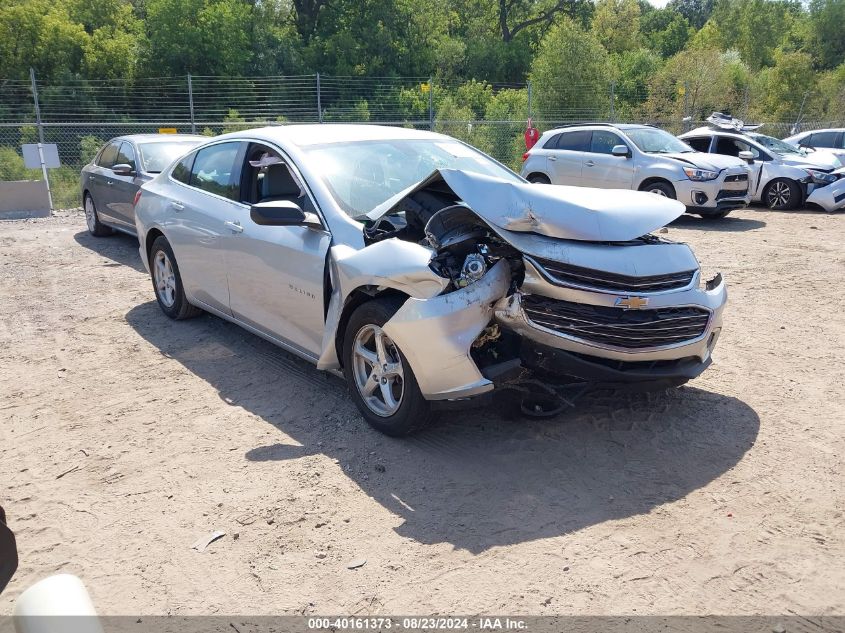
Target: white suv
{"points": [[639, 157]]}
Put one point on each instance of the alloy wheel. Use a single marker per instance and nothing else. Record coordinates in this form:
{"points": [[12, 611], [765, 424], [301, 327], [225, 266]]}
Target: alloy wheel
{"points": [[90, 214], [658, 191], [779, 194], [378, 371], [165, 279]]}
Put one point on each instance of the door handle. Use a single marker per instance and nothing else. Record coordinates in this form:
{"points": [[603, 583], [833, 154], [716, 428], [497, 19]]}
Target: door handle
{"points": [[235, 226], [552, 157], [590, 163], [177, 206]]}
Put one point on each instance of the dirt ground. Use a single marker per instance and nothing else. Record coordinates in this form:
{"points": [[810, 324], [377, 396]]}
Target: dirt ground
{"points": [[124, 437]]}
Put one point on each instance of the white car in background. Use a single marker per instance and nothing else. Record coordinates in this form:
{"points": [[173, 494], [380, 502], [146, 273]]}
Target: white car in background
{"points": [[830, 140], [642, 158], [783, 177]]}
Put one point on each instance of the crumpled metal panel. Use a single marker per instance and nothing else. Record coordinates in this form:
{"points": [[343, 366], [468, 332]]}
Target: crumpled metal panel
{"points": [[826, 197], [392, 263], [436, 335], [572, 213]]}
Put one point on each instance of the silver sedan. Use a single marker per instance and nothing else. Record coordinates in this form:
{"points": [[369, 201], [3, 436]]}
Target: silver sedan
{"points": [[425, 271]]}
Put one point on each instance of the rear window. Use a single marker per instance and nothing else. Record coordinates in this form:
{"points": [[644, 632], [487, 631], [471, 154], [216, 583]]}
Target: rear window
{"points": [[155, 157], [578, 141], [821, 139], [182, 170]]}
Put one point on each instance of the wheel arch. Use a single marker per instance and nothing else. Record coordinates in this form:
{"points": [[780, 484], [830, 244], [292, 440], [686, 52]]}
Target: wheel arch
{"points": [[358, 297], [152, 235], [653, 180]]}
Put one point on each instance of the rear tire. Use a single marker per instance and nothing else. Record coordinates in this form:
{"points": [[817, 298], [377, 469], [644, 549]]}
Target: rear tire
{"points": [[92, 219], [167, 282], [539, 179], [782, 194], [380, 379]]}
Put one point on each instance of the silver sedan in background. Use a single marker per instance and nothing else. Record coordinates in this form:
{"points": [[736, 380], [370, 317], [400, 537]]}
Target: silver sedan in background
{"points": [[111, 180], [424, 270]]}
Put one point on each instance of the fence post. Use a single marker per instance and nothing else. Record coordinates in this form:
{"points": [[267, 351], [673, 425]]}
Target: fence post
{"points": [[191, 104], [40, 136], [613, 101], [431, 103], [529, 99], [319, 101]]}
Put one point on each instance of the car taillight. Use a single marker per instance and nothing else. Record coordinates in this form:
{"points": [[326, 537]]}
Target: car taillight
{"points": [[137, 197], [525, 156]]}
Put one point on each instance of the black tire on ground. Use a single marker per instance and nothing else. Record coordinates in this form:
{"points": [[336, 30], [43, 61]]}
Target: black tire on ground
{"points": [[661, 188], [782, 194], [539, 179], [92, 219], [170, 296], [715, 215], [414, 411]]}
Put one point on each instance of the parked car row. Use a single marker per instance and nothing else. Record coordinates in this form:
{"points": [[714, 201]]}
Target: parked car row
{"points": [[712, 170]]}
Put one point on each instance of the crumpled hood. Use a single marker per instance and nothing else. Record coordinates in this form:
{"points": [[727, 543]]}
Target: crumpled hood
{"points": [[571, 213], [711, 162], [813, 160]]}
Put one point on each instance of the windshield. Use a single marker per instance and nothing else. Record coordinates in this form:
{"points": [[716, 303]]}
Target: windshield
{"points": [[655, 141], [363, 174], [777, 146], [155, 157]]}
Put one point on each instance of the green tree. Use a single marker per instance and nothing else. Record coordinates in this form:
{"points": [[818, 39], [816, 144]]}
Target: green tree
{"points": [[827, 32], [697, 12], [616, 23], [784, 87], [665, 31], [570, 74]]}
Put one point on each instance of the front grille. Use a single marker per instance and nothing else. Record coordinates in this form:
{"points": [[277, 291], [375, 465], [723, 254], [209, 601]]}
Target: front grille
{"points": [[568, 275], [731, 193], [737, 178], [633, 329]]}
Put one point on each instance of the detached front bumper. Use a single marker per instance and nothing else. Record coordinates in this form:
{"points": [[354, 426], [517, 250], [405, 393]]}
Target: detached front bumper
{"points": [[728, 191], [830, 197]]}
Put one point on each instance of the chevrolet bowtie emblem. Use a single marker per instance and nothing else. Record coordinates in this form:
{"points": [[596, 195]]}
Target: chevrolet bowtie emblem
{"points": [[631, 303]]}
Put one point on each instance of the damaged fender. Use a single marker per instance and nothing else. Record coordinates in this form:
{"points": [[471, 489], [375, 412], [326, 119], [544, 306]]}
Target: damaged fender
{"points": [[393, 263], [448, 324]]}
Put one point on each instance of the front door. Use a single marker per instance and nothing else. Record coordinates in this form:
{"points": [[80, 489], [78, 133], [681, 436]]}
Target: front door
{"points": [[604, 170], [276, 273]]}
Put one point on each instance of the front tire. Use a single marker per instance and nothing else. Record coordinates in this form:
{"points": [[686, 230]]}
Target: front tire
{"points": [[92, 219], [380, 379], [660, 188], [167, 282], [782, 194], [539, 179]]}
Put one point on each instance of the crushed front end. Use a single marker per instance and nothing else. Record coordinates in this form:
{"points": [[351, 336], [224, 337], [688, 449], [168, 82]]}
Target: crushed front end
{"points": [[537, 301]]}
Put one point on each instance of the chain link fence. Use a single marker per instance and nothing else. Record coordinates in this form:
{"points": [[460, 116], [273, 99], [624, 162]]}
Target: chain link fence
{"points": [[79, 116]]}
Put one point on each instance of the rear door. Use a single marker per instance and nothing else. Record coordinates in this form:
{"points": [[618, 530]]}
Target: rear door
{"points": [[566, 156], [123, 188], [276, 273], [601, 168], [99, 179], [197, 221]]}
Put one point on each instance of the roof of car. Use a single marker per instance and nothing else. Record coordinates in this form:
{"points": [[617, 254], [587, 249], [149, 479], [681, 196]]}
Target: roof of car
{"points": [[321, 133], [704, 129], [160, 138], [618, 126], [826, 129]]}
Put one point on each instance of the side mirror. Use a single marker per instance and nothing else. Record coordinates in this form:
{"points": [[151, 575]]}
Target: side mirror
{"points": [[282, 213], [621, 150], [747, 156], [123, 169]]}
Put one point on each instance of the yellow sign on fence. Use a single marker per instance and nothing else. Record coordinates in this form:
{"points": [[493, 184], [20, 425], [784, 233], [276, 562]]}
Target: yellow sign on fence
{"points": [[167, 130]]}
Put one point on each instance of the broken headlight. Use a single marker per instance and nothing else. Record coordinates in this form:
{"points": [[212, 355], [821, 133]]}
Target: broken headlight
{"points": [[820, 177]]}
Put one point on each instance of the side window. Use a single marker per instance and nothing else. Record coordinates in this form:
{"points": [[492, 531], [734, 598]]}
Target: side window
{"points": [[552, 142], [108, 154], [126, 155], [578, 141], [699, 143], [182, 170], [821, 139], [214, 170], [732, 147], [267, 178], [603, 142]]}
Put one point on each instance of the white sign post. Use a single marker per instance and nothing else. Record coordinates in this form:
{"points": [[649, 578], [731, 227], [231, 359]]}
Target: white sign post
{"points": [[41, 145]]}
